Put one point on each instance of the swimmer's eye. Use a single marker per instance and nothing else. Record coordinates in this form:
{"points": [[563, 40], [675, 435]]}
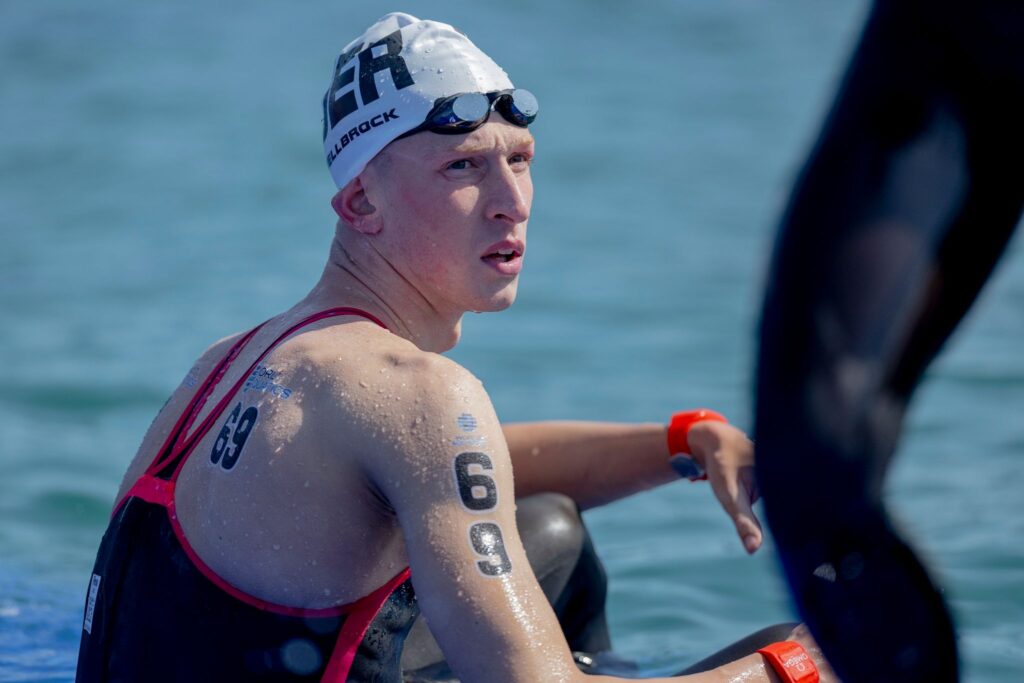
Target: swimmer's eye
{"points": [[520, 160]]}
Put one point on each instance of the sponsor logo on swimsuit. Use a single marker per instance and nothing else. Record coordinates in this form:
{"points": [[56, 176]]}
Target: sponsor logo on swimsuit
{"points": [[90, 608], [262, 379], [340, 99]]}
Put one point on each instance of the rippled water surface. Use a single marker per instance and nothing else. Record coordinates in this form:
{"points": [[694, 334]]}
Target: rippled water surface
{"points": [[163, 185]]}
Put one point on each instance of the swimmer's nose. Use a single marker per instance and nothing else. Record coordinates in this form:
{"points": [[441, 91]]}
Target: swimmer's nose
{"points": [[510, 195]]}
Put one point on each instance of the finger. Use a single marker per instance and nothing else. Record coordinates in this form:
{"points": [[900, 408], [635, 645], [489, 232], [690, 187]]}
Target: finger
{"points": [[749, 479], [749, 530], [735, 500], [747, 525]]}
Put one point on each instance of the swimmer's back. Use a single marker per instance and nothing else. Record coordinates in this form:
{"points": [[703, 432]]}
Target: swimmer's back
{"points": [[295, 520], [248, 539]]}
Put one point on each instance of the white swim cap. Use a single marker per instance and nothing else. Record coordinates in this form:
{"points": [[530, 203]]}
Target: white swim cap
{"points": [[387, 80]]}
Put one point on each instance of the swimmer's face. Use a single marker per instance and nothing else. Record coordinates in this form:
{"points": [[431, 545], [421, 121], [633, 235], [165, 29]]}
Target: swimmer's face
{"points": [[453, 211]]}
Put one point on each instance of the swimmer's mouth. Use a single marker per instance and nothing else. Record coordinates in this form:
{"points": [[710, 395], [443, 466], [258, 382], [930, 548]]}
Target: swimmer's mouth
{"points": [[504, 253], [505, 256]]}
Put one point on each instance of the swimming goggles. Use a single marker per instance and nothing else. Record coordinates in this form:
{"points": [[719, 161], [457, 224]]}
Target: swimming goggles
{"points": [[465, 112]]}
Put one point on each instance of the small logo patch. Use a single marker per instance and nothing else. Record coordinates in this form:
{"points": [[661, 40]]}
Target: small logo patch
{"points": [[90, 607], [467, 422], [475, 441], [264, 379]]}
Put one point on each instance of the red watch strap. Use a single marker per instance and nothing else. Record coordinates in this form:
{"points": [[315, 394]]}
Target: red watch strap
{"points": [[679, 428], [791, 661]]}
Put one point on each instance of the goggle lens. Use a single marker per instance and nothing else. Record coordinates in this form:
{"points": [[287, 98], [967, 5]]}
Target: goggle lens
{"points": [[519, 107], [470, 108]]}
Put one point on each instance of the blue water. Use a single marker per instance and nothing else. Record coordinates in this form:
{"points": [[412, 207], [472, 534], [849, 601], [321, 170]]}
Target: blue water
{"points": [[163, 185]]}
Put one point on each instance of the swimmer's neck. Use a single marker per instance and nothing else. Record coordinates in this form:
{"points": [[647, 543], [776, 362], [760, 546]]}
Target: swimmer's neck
{"points": [[358, 276]]}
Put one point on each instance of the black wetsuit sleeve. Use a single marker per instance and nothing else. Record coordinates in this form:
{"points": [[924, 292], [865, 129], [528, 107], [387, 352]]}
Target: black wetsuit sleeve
{"points": [[899, 215]]}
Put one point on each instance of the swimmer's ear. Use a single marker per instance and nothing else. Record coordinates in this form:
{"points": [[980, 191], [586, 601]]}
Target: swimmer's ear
{"points": [[355, 209]]}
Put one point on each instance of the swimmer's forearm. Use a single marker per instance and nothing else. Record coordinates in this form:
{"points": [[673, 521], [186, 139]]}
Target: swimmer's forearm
{"points": [[750, 669], [591, 462]]}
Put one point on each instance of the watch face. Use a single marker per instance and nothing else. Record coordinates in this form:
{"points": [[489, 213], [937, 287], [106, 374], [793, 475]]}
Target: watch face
{"points": [[791, 661], [686, 467]]}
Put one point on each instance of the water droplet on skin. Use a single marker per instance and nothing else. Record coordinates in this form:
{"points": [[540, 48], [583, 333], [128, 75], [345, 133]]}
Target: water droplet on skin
{"points": [[363, 384], [277, 547]]}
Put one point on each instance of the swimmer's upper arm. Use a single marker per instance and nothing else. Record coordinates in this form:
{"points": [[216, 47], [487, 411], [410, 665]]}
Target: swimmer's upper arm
{"points": [[449, 481]]}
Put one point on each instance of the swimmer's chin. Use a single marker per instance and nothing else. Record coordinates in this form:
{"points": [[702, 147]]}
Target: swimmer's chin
{"points": [[498, 303], [496, 300]]}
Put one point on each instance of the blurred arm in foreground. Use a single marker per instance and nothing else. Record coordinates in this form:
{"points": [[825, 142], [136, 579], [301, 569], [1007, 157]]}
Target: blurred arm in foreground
{"points": [[898, 218]]}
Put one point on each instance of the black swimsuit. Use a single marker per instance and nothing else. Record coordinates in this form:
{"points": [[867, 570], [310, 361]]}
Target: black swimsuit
{"points": [[156, 612]]}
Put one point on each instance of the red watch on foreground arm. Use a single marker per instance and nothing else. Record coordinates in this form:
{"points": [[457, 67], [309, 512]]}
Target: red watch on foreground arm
{"points": [[791, 662], [678, 441]]}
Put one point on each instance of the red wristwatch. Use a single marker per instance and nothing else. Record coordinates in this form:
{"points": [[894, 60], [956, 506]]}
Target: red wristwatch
{"points": [[679, 444], [791, 661]]}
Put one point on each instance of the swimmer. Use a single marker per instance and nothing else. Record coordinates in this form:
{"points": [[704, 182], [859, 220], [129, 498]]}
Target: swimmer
{"points": [[322, 478], [900, 215]]}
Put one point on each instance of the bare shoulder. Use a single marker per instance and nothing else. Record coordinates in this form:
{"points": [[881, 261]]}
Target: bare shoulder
{"points": [[380, 393], [211, 356], [177, 402]]}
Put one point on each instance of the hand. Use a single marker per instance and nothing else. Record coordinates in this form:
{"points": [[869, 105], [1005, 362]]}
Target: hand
{"points": [[801, 634], [727, 456]]}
